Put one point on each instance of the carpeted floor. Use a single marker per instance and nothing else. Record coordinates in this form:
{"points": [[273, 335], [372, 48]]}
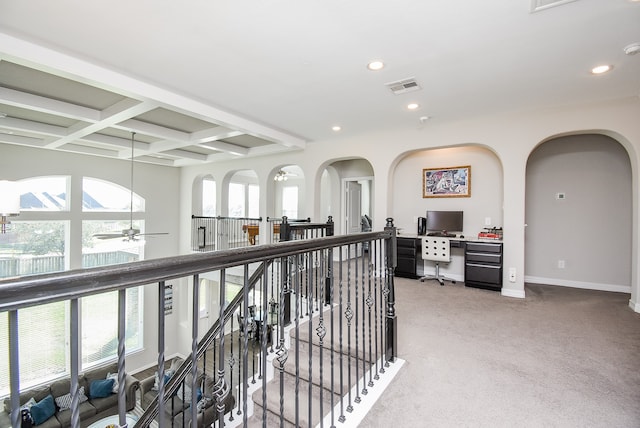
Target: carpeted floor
{"points": [[562, 357]]}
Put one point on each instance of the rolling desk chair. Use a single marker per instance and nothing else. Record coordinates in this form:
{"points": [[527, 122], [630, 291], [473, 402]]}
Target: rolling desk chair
{"points": [[437, 249]]}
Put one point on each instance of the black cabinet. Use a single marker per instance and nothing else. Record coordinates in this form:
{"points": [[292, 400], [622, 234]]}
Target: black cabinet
{"points": [[409, 258], [483, 265]]}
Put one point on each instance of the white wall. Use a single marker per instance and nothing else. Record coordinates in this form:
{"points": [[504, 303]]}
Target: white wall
{"points": [[588, 230], [511, 137], [486, 188]]}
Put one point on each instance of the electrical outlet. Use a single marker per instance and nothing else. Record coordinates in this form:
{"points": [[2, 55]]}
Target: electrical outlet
{"points": [[487, 221], [512, 274], [560, 264]]}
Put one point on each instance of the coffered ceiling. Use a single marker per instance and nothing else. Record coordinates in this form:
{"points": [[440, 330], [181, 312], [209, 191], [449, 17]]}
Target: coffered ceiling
{"points": [[202, 81]]}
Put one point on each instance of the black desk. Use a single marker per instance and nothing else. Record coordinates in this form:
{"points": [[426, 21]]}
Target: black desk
{"points": [[482, 260]]}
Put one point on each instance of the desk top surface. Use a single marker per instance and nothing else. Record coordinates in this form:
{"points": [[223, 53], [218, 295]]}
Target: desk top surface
{"points": [[457, 238]]}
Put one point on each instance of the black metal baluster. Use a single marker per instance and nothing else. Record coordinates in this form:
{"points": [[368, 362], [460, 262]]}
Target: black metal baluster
{"points": [[221, 388], [232, 359], [298, 284], [370, 302], [364, 345], [310, 323], [245, 349], [282, 354], [330, 283], [341, 418], [161, 334], [267, 318], [194, 351], [349, 315], [376, 283], [263, 345], [357, 337], [321, 331]]}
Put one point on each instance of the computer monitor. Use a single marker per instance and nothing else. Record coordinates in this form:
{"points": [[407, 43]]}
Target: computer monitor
{"points": [[444, 221]]}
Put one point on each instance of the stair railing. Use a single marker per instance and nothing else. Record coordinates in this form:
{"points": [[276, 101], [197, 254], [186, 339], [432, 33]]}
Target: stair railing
{"points": [[346, 317]]}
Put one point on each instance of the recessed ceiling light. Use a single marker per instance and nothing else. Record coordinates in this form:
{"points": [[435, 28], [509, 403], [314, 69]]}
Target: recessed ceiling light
{"points": [[413, 106], [336, 128], [601, 69], [375, 65]]}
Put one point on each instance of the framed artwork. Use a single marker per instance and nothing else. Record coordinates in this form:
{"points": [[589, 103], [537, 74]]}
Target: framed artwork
{"points": [[452, 182]]}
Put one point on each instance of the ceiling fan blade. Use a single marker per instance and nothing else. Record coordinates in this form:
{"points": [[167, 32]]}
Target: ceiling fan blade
{"points": [[107, 235], [152, 233]]}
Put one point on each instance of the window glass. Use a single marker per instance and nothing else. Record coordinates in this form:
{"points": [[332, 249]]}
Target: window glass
{"points": [[254, 201], [101, 252], [100, 325], [100, 312], [236, 200], [208, 198], [33, 247], [44, 194], [204, 298], [100, 195], [43, 345], [290, 201]]}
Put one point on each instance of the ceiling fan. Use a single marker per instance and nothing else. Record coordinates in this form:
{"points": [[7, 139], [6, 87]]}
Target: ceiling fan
{"points": [[129, 234]]}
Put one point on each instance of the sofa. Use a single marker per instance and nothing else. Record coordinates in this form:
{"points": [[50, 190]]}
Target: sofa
{"points": [[54, 396], [177, 412]]}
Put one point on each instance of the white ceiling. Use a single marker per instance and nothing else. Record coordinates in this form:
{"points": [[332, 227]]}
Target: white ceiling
{"points": [[206, 80]]}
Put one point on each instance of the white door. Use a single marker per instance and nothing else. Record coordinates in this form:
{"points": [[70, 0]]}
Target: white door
{"points": [[353, 195]]}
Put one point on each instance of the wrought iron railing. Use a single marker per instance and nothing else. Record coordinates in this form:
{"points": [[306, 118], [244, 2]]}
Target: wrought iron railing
{"points": [[275, 223], [328, 347], [221, 233]]}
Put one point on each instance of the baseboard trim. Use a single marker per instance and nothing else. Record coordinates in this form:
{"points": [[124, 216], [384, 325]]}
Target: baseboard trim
{"points": [[634, 305], [509, 292], [579, 284]]}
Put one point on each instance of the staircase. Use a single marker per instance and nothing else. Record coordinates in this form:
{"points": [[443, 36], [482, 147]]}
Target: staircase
{"points": [[318, 372]]}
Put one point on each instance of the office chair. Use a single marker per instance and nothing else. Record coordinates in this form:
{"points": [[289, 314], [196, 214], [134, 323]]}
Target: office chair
{"points": [[437, 249]]}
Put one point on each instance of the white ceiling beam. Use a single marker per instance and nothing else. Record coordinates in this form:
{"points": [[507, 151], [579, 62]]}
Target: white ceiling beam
{"points": [[186, 154], [214, 134], [15, 124], [119, 142], [268, 150], [96, 151], [51, 61], [227, 147], [110, 116], [47, 105], [154, 130], [156, 160], [21, 140]]}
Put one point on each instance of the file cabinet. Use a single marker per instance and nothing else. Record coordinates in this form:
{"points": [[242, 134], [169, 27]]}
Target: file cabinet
{"points": [[409, 260], [483, 265]]}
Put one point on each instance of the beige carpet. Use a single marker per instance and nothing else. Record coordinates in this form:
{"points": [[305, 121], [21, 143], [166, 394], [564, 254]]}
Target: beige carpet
{"points": [[561, 357]]}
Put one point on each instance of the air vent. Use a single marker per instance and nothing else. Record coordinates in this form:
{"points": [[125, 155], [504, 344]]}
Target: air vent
{"points": [[539, 5], [403, 86]]}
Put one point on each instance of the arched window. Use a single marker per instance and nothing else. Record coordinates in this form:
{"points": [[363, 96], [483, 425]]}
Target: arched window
{"points": [[40, 242], [208, 197]]}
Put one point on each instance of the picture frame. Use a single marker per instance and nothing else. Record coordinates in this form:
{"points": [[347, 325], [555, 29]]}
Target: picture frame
{"points": [[450, 182]]}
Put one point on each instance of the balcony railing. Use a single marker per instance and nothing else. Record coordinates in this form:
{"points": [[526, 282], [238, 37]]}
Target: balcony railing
{"points": [[311, 331], [220, 233]]}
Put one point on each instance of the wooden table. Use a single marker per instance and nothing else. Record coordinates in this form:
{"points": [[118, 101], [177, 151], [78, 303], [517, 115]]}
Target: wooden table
{"points": [[252, 230]]}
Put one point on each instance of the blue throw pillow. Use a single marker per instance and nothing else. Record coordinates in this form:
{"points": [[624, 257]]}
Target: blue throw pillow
{"points": [[43, 410], [100, 388]]}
